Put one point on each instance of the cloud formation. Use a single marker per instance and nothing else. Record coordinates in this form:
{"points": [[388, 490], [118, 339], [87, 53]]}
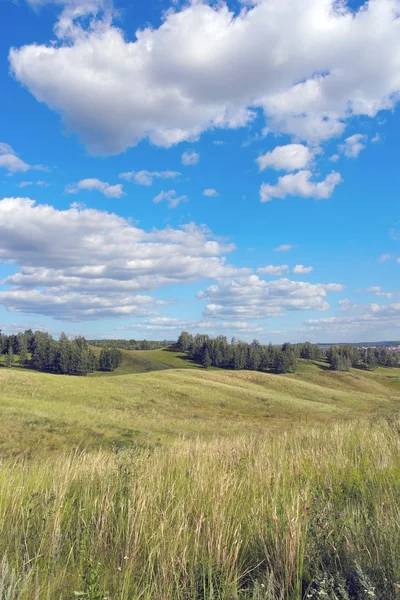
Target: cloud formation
{"points": [[250, 297], [353, 145], [171, 197], [147, 177], [110, 191], [302, 270], [307, 65], [273, 270], [10, 161], [286, 158], [300, 184], [81, 264], [284, 248], [368, 322], [190, 159], [210, 192], [168, 324]]}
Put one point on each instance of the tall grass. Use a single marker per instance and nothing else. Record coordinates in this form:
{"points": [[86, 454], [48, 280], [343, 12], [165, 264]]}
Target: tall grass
{"points": [[312, 513]]}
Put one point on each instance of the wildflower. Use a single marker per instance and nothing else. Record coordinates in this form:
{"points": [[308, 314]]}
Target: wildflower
{"points": [[329, 489], [126, 557], [315, 499], [340, 515], [307, 508]]}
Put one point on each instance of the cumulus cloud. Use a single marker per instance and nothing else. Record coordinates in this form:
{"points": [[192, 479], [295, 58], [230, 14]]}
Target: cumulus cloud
{"points": [[171, 197], [353, 145], [300, 184], [377, 290], [81, 263], [110, 191], [251, 297], [307, 65], [302, 270], [10, 161], [284, 248], [210, 192], [146, 177], [190, 158], [384, 257], [373, 322], [286, 158], [273, 270], [177, 325]]}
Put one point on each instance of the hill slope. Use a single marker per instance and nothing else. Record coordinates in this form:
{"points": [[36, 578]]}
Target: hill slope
{"points": [[41, 411]]}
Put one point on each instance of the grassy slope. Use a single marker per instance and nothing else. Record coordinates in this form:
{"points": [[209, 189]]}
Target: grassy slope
{"points": [[42, 411]]}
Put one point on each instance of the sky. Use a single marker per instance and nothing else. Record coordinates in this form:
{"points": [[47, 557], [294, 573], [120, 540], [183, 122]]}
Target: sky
{"points": [[218, 167]]}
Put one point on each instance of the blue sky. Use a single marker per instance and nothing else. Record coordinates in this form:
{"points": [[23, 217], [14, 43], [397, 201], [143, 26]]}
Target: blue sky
{"points": [[217, 167]]}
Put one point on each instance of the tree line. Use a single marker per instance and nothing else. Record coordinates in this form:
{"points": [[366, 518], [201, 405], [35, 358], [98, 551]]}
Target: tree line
{"points": [[218, 352], [131, 344], [40, 351], [341, 358]]}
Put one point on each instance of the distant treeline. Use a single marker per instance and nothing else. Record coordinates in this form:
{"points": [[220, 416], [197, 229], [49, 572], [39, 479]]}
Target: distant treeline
{"points": [[218, 352], [131, 344], [40, 351], [341, 358]]}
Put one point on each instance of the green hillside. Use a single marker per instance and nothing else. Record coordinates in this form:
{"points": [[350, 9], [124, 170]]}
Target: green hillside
{"points": [[144, 361], [146, 400]]}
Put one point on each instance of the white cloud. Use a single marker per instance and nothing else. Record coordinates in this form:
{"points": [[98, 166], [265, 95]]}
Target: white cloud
{"points": [[273, 270], [110, 191], [384, 257], [377, 290], [334, 157], [308, 65], [190, 158], [210, 192], [24, 184], [302, 270], [286, 158], [300, 184], [12, 163], [353, 145], [376, 139], [253, 298], [373, 322], [171, 197], [80, 263], [146, 177], [284, 248], [178, 325]]}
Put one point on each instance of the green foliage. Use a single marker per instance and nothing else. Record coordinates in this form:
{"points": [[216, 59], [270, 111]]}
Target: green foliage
{"points": [[110, 359], [241, 355], [10, 357], [131, 344], [91, 584], [341, 358], [72, 357]]}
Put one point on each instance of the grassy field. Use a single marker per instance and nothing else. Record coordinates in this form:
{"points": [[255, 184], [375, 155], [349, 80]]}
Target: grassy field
{"points": [[42, 412], [166, 482]]}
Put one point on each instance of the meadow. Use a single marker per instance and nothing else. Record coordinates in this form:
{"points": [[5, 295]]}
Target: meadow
{"points": [[165, 481]]}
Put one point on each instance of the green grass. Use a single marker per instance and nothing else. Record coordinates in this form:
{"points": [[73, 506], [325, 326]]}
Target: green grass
{"points": [[163, 482], [42, 412], [253, 518]]}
